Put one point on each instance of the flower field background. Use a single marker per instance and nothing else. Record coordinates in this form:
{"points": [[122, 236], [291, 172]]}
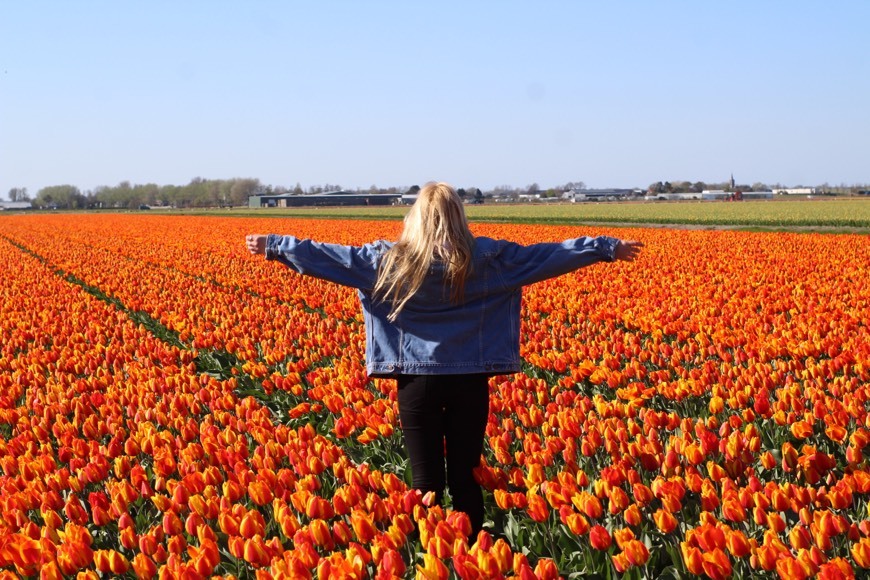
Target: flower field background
{"points": [[173, 407], [850, 215]]}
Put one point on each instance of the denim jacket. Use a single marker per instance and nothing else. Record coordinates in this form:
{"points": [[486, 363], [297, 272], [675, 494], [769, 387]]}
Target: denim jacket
{"points": [[433, 335]]}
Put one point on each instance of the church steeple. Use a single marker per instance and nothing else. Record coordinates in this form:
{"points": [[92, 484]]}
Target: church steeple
{"points": [[732, 181]]}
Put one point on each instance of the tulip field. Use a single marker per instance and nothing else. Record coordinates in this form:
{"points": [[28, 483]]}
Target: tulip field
{"points": [[173, 407]]}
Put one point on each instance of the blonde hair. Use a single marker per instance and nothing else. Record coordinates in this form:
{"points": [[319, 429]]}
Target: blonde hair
{"points": [[436, 231]]}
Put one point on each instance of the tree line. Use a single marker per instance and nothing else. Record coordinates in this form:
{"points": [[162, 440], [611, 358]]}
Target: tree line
{"points": [[235, 192], [198, 193]]}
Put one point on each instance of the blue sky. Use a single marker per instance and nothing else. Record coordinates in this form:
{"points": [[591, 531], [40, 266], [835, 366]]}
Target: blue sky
{"points": [[480, 94]]}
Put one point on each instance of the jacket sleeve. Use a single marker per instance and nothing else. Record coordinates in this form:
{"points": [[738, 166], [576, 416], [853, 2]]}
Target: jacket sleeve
{"points": [[346, 265], [522, 265]]}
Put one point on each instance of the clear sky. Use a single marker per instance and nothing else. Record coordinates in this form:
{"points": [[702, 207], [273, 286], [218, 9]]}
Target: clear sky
{"points": [[476, 93]]}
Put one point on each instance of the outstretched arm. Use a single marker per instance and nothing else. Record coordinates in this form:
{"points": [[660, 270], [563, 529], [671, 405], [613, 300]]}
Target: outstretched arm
{"points": [[524, 265], [346, 265]]}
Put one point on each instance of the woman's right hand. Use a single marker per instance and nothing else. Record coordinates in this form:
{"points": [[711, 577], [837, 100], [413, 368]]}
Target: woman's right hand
{"points": [[627, 250], [256, 243]]}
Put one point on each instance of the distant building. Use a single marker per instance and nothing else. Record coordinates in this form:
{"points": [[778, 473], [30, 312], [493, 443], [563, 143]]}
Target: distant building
{"points": [[714, 194], [575, 195], [708, 195], [15, 205], [334, 198], [676, 196], [795, 191]]}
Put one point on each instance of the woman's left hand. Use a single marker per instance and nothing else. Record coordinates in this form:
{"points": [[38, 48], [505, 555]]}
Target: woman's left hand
{"points": [[628, 250], [256, 243]]}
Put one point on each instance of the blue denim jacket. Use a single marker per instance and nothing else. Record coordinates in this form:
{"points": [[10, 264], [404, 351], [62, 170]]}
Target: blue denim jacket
{"points": [[432, 335]]}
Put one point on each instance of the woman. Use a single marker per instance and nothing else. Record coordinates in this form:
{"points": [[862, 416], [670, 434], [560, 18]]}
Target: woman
{"points": [[442, 315]]}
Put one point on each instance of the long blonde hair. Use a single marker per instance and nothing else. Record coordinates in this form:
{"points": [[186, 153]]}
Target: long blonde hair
{"points": [[436, 231]]}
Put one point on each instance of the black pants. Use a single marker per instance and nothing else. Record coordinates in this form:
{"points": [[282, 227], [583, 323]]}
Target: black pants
{"points": [[445, 415]]}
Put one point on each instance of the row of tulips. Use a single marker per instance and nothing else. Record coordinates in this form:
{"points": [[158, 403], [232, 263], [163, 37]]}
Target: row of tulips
{"points": [[715, 388]]}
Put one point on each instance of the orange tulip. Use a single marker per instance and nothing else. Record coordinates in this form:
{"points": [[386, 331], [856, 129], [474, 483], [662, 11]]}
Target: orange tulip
{"points": [[392, 564], [363, 526], [143, 566], [632, 515], [692, 558], [588, 504], [546, 569], [537, 507], [665, 521], [788, 567], [252, 524], [861, 553], [599, 538], [432, 568], [737, 544], [254, 552], [801, 430], [716, 564], [836, 569], [260, 493], [636, 551]]}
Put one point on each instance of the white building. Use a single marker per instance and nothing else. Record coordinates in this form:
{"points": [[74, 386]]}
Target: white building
{"points": [[576, 195], [15, 205], [795, 191]]}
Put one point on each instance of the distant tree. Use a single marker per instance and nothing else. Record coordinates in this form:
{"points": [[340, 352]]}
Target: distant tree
{"points": [[298, 189], [533, 189], [478, 196], [414, 190], [168, 195], [576, 185], [759, 186], [241, 189], [18, 194], [699, 186], [461, 193], [60, 196]]}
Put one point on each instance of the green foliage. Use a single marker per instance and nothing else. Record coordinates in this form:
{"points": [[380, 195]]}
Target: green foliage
{"points": [[198, 193], [60, 197]]}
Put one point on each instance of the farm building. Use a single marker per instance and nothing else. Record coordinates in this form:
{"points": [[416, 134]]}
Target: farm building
{"points": [[15, 205], [597, 194], [707, 195], [795, 191], [334, 198]]}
